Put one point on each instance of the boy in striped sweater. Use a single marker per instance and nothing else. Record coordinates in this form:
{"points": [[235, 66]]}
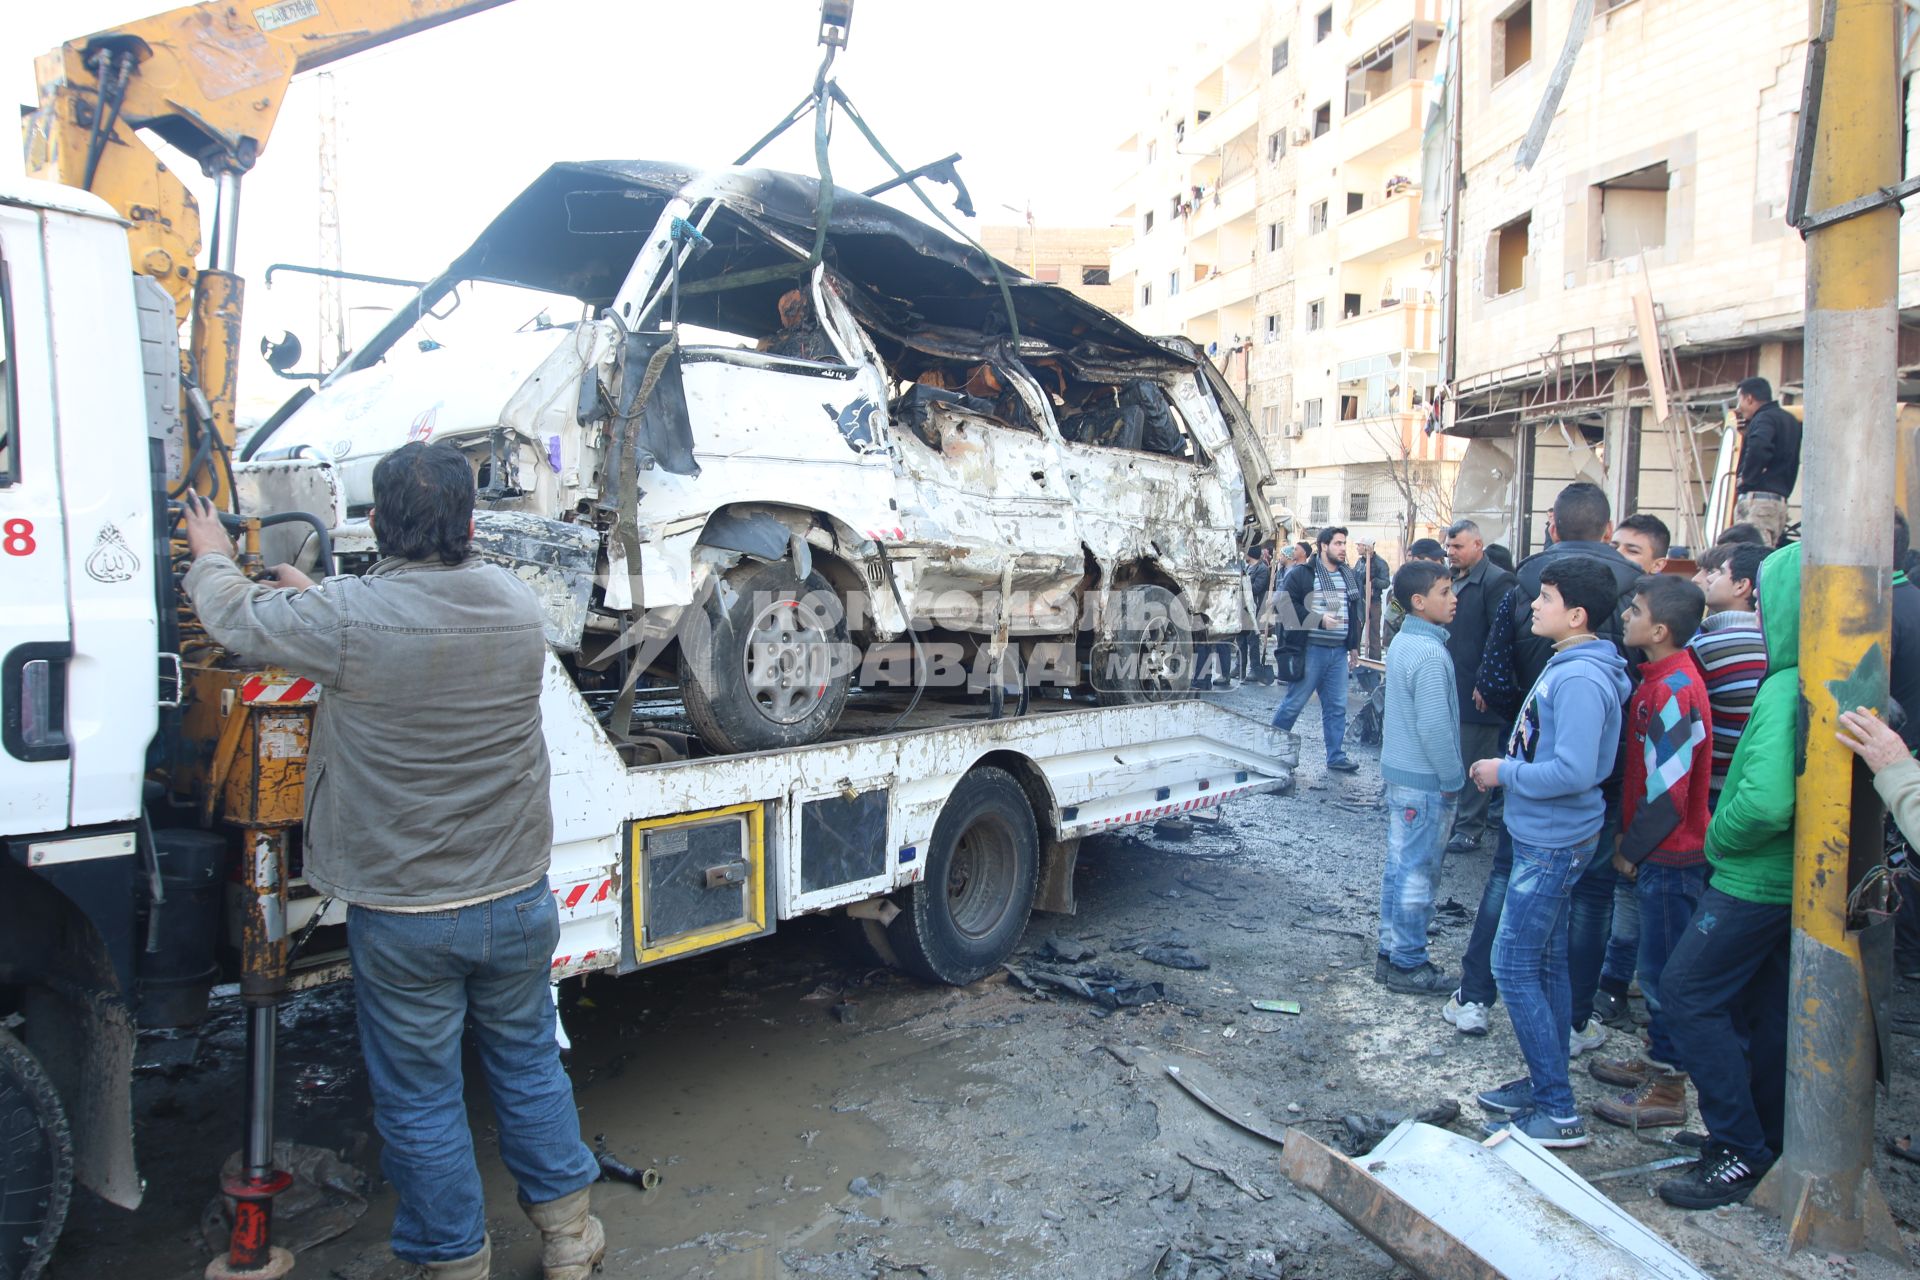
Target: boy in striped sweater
{"points": [[1420, 764], [1730, 651], [1663, 820]]}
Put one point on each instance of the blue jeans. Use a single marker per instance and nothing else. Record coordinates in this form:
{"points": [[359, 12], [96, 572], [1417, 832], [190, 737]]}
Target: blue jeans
{"points": [[1327, 676], [1724, 996], [1418, 824], [1530, 964], [1667, 897], [418, 978], [1476, 966], [1590, 925]]}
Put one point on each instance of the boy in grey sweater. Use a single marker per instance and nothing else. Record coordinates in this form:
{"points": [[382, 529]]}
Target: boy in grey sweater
{"points": [[1420, 763]]}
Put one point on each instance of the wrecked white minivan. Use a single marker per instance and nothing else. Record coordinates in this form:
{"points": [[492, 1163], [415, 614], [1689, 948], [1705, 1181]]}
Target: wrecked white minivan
{"points": [[774, 461]]}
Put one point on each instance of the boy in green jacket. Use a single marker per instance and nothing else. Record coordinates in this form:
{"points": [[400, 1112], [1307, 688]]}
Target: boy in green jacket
{"points": [[1729, 968]]}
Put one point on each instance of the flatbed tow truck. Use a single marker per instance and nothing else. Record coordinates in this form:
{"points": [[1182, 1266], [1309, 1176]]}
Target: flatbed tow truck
{"points": [[150, 842]]}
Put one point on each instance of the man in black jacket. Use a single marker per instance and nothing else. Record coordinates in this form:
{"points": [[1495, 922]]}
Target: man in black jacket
{"points": [[1370, 570], [1581, 523], [1326, 603], [1769, 459], [1478, 585]]}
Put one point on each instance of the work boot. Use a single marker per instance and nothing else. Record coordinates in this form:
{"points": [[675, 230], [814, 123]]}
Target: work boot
{"points": [[1380, 966], [475, 1266], [1658, 1102], [1628, 1073], [573, 1241]]}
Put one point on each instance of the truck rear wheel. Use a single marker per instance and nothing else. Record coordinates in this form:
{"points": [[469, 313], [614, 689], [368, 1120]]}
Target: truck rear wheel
{"points": [[36, 1177], [773, 668], [964, 918]]}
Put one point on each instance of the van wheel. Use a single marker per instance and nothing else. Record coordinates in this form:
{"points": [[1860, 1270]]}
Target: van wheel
{"points": [[1151, 655], [774, 666], [36, 1178], [964, 918]]}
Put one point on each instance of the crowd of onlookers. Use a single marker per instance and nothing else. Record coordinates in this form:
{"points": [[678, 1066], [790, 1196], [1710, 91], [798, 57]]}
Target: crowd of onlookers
{"points": [[1626, 735]]}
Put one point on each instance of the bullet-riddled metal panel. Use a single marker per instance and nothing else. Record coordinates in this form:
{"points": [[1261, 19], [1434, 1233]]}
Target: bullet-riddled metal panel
{"points": [[842, 839]]}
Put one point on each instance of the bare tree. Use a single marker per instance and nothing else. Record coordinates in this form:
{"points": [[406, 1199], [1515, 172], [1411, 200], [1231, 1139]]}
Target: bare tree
{"points": [[1420, 482]]}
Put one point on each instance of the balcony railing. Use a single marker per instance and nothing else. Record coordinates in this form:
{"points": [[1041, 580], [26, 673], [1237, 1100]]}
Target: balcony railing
{"points": [[1222, 205], [1388, 230], [1407, 326], [1387, 129]]}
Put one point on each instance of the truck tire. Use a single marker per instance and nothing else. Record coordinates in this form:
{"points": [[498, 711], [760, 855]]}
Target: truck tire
{"points": [[773, 666], [1151, 655], [965, 917], [36, 1178]]}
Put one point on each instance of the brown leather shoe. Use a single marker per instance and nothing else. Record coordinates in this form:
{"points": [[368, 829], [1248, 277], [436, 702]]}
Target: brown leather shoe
{"points": [[1628, 1073], [1660, 1101]]}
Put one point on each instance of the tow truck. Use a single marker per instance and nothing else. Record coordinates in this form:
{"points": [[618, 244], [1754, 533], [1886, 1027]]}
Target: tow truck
{"points": [[151, 784]]}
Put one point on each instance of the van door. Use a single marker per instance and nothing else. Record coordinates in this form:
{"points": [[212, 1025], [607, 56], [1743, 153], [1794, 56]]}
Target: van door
{"points": [[36, 641]]}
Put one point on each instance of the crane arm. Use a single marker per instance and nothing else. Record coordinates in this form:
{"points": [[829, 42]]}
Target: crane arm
{"points": [[209, 79]]}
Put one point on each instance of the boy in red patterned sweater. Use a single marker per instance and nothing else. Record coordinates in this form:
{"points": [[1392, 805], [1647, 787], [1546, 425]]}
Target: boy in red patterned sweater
{"points": [[1663, 822]]}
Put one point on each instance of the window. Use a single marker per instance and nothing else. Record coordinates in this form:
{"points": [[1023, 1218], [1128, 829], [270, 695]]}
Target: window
{"points": [[1146, 295], [1322, 119], [1173, 283], [1271, 329], [1349, 306], [1323, 24], [1276, 145], [1627, 214], [1270, 420], [1319, 507], [1096, 275], [1146, 222], [1512, 40], [1316, 217], [9, 403], [1280, 57], [1309, 419], [1047, 275], [1153, 149], [1276, 236], [1357, 504], [1507, 257], [1356, 201], [1349, 408], [1411, 55], [1316, 315]]}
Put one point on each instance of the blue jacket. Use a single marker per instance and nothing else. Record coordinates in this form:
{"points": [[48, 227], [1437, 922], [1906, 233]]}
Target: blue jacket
{"points": [[1420, 747], [1563, 746]]}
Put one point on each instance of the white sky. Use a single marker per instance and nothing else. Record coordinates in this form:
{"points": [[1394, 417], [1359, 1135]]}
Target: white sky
{"points": [[439, 130]]}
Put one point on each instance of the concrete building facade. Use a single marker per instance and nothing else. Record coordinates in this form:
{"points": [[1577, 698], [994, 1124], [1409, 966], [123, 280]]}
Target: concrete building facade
{"points": [[1660, 190], [1285, 225], [1078, 259]]}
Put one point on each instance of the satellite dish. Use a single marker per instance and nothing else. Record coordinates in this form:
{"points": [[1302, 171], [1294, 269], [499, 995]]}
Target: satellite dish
{"points": [[282, 355]]}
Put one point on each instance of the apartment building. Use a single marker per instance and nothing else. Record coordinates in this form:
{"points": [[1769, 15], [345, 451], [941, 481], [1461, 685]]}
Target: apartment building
{"points": [[1078, 259], [1275, 197], [1659, 190]]}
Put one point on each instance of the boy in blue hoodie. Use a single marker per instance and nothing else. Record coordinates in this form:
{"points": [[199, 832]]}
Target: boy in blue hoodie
{"points": [[1562, 748]]}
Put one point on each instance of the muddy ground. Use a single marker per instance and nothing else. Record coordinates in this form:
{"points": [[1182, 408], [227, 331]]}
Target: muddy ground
{"points": [[812, 1115]]}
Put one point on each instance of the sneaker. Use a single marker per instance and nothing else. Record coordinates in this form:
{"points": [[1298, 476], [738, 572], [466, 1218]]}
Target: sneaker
{"points": [[1608, 1007], [1424, 981], [1591, 1036], [1545, 1130], [1380, 966], [1509, 1099], [1660, 1101], [1468, 1018], [1343, 765], [1627, 1073], [1463, 844], [1720, 1177]]}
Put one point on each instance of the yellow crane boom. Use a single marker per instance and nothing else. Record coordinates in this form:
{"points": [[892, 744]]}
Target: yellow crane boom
{"points": [[208, 79]]}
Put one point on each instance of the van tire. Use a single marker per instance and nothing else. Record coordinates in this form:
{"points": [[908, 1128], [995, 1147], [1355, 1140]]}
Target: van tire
{"points": [[966, 916], [769, 606], [1151, 656], [36, 1178]]}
